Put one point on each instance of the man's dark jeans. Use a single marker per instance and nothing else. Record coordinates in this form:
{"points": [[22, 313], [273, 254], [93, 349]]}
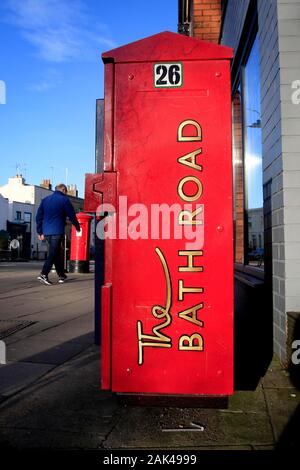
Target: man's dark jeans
{"points": [[55, 255]]}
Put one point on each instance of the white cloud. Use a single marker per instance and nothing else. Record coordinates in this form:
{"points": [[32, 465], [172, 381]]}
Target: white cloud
{"points": [[253, 161], [59, 30], [49, 79]]}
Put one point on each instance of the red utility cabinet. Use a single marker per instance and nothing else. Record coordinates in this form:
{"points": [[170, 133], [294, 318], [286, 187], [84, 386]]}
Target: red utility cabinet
{"points": [[167, 298]]}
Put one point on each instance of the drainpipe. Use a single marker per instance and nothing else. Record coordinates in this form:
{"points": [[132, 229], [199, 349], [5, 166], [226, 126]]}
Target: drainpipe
{"points": [[185, 8]]}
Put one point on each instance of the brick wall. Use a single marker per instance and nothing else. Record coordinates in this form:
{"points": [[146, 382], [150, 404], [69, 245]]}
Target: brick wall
{"points": [[207, 20], [272, 159], [289, 59], [238, 178]]}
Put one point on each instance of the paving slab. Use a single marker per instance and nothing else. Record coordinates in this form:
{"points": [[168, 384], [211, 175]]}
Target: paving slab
{"points": [[67, 402], [263, 447], [42, 351], [277, 378], [34, 329], [39, 290], [27, 439], [72, 330], [245, 401], [56, 306], [9, 327], [13, 283], [247, 428], [45, 291], [78, 329], [275, 364], [283, 404], [65, 311], [17, 278], [16, 376], [170, 428]]}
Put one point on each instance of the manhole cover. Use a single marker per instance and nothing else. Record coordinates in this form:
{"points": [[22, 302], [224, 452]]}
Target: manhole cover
{"points": [[9, 327]]}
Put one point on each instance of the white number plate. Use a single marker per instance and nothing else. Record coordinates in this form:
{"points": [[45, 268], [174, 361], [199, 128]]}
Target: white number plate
{"points": [[168, 75]]}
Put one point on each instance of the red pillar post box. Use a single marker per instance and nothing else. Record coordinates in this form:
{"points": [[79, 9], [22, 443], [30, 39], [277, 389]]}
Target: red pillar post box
{"points": [[166, 194], [80, 245]]}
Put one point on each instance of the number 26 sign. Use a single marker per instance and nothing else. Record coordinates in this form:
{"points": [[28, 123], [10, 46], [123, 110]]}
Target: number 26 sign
{"points": [[167, 75]]}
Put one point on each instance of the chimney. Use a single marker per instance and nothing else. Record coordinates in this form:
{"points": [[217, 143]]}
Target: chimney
{"points": [[72, 190], [207, 20], [46, 184], [18, 178]]}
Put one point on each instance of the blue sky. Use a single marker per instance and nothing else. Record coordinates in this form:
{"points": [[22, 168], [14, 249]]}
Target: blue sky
{"points": [[50, 63]]}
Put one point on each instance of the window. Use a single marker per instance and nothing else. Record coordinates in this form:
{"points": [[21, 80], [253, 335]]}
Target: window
{"points": [[18, 215], [252, 155], [260, 241], [27, 219], [247, 161]]}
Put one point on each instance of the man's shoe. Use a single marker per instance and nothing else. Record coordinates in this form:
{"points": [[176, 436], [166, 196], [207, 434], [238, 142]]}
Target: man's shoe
{"points": [[44, 280], [62, 279]]}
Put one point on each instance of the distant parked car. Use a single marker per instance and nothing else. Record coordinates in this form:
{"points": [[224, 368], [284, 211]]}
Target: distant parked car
{"points": [[256, 254]]}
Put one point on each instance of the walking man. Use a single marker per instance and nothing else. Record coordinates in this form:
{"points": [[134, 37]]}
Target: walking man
{"points": [[50, 225]]}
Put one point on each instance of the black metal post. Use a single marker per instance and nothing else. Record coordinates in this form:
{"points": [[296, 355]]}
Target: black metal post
{"points": [[99, 244], [185, 8]]}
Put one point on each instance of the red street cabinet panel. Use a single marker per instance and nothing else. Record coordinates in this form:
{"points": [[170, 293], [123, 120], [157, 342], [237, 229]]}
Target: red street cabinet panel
{"points": [[167, 299]]}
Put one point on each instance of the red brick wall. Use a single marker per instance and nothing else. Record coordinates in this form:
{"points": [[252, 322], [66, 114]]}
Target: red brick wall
{"points": [[238, 179], [207, 19]]}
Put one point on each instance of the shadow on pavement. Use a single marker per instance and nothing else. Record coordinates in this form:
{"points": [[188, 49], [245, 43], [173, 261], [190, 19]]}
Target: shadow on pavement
{"points": [[63, 409], [52, 358]]}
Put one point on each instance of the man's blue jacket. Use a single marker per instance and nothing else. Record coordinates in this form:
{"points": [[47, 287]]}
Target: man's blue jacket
{"points": [[52, 213]]}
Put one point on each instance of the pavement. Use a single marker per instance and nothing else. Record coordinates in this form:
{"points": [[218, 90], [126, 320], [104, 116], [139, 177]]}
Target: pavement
{"points": [[49, 387]]}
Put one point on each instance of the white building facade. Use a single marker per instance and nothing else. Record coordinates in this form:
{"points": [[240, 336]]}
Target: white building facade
{"points": [[3, 212], [23, 201]]}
